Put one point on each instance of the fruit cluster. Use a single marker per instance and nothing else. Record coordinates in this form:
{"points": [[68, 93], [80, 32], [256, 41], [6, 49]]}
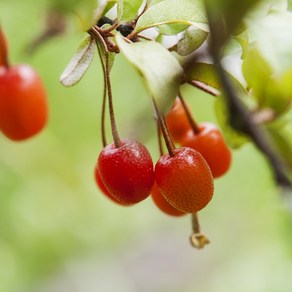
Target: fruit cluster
{"points": [[181, 181], [23, 100]]}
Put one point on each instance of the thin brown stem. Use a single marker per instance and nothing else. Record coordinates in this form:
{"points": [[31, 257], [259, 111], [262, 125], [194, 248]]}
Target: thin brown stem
{"points": [[191, 120], [115, 134], [108, 30], [103, 135], [164, 129], [159, 138], [132, 35], [4, 60], [144, 37], [204, 87], [100, 33], [197, 238]]}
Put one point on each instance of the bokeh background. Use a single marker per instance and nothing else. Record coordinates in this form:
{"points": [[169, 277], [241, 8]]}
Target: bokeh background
{"points": [[58, 233]]}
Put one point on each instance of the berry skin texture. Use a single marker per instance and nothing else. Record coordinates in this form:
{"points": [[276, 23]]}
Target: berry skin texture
{"points": [[177, 121], [102, 187], [210, 143], [23, 102], [185, 180], [162, 204], [127, 171]]}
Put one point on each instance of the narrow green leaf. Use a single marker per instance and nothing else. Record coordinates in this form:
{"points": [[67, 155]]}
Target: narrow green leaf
{"points": [[128, 9], [188, 12], [80, 62], [192, 40], [160, 69]]}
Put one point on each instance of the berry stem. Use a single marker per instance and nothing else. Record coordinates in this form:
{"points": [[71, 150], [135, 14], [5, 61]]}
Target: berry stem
{"points": [[115, 134], [164, 129], [197, 238], [3, 50], [159, 138], [202, 86], [191, 120], [103, 136]]}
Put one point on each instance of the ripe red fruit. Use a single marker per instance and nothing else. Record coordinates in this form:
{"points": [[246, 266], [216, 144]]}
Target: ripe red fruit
{"points": [[210, 143], [23, 102], [185, 180], [177, 121], [162, 204], [127, 171], [102, 187]]}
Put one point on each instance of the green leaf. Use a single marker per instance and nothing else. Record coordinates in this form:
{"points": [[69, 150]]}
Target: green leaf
{"points": [[188, 12], [269, 90], [160, 69], [256, 72], [153, 2], [243, 40], [128, 9], [273, 39], [207, 74], [192, 40], [109, 5], [85, 11], [80, 62], [172, 29]]}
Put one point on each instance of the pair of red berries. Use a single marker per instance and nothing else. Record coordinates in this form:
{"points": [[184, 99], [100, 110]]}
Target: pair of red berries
{"points": [[23, 100], [127, 176], [206, 139]]}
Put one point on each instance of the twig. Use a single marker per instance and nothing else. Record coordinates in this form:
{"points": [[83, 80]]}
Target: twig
{"points": [[240, 117]]}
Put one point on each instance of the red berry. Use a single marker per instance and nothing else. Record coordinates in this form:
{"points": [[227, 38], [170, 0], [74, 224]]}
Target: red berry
{"points": [[102, 187], [177, 121], [127, 171], [210, 143], [162, 204], [185, 180], [23, 102]]}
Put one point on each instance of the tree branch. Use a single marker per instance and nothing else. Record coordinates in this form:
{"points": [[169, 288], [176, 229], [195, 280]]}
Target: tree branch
{"points": [[240, 117]]}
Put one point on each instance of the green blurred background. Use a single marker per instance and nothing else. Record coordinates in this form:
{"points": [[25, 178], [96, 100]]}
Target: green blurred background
{"points": [[58, 233]]}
